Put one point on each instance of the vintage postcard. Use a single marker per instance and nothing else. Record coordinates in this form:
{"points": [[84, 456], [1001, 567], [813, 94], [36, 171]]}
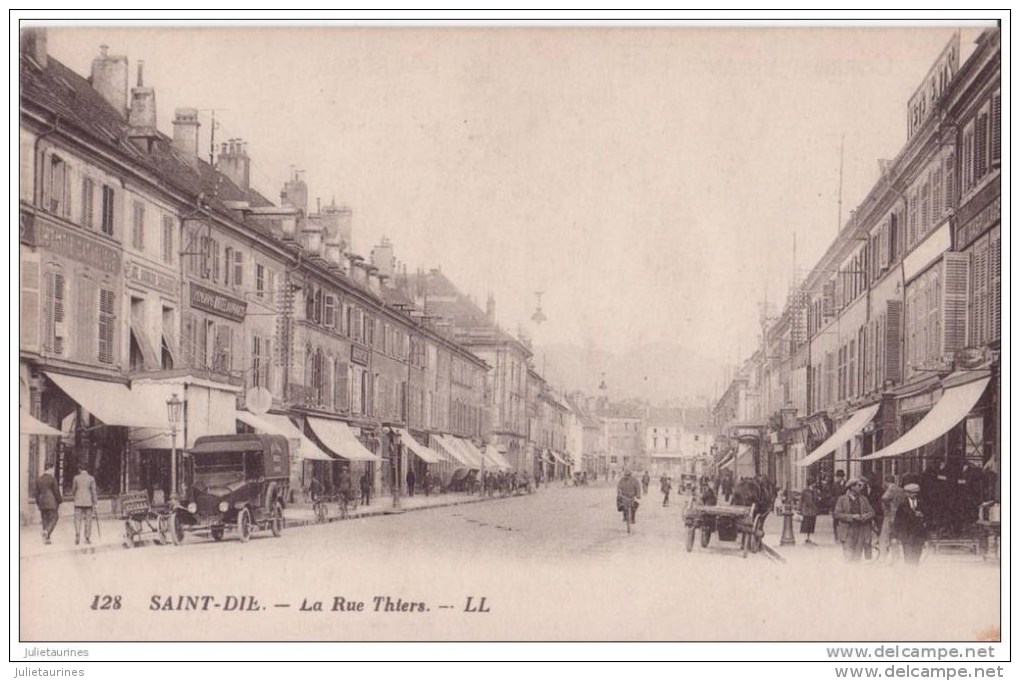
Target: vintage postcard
{"points": [[683, 333]]}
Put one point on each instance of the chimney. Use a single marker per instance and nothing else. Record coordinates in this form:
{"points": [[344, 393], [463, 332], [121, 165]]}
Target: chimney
{"points": [[490, 308], [382, 257], [295, 193], [372, 274], [110, 78], [186, 132], [312, 234], [233, 162], [333, 251], [33, 44], [142, 116]]}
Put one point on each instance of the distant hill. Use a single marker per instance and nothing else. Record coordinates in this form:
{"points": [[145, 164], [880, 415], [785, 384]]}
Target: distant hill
{"points": [[655, 372]]}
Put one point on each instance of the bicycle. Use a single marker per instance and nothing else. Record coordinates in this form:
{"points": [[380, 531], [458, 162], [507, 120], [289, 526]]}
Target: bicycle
{"points": [[319, 509]]}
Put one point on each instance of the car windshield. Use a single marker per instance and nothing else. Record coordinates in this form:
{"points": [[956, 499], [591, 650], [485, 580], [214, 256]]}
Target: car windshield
{"points": [[219, 468]]}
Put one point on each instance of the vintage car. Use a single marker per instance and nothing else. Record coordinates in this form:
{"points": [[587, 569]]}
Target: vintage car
{"points": [[233, 482]]}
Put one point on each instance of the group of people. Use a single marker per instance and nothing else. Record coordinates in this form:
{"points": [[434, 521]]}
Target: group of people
{"points": [[862, 510], [505, 483], [85, 496], [317, 491]]}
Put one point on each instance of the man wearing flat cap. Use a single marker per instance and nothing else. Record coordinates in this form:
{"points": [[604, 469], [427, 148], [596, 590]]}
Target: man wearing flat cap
{"points": [[853, 513], [910, 527]]}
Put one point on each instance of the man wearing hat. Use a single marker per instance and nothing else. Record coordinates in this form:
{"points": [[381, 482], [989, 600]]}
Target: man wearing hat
{"points": [[853, 514], [910, 526], [628, 491]]}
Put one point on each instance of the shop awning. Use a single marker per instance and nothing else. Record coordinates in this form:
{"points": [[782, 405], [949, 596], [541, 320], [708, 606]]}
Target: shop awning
{"points": [[853, 425], [340, 440], [450, 448], [473, 452], [952, 407], [30, 425], [497, 456], [277, 424], [420, 450], [112, 403], [558, 457]]}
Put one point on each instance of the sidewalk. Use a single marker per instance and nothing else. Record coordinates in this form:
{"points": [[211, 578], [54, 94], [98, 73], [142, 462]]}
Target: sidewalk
{"points": [[110, 534]]}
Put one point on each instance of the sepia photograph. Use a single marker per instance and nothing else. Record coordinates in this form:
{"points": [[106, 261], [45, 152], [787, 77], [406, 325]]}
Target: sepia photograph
{"points": [[337, 332]]}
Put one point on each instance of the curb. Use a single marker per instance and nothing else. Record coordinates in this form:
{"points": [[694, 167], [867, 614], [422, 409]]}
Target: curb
{"points": [[295, 523]]}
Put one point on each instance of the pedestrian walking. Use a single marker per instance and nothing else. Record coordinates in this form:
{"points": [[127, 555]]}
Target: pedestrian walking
{"points": [[892, 498], [83, 489], [345, 485], [665, 485], [809, 511], [853, 515], [366, 488], [645, 481], [47, 498], [837, 490], [910, 525], [427, 482], [410, 482]]}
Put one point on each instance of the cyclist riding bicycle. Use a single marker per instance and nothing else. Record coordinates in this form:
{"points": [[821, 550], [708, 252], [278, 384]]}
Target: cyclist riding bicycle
{"points": [[628, 491]]}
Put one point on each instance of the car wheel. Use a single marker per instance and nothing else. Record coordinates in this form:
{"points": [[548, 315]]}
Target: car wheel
{"points": [[706, 536], [163, 529], [244, 524], [176, 529], [217, 533], [276, 519]]}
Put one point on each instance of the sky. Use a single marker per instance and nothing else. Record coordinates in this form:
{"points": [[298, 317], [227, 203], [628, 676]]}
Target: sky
{"points": [[649, 181]]}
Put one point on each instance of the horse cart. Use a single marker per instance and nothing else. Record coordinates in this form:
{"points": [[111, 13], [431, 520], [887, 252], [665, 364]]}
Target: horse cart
{"points": [[743, 521]]}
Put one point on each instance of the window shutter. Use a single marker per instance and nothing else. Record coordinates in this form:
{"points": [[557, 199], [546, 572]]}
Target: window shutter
{"points": [[87, 319], [954, 301], [106, 326], [238, 268], [968, 160], [59, 332], [215, 248], [950, 182], [29, 309], [891, 340], [936, 195], [87, 190], [979, 286], [342, 388], [168, 239], [981, 146], [994, 289], [996, 127]]}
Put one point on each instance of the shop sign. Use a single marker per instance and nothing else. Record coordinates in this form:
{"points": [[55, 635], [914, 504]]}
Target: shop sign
{"points": [[146, 276], [359, 355], [917, 402], [64, 242], [206, 299], [984, 220]]}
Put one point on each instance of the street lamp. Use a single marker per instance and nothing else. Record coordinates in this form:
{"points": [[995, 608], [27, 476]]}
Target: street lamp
{"points": [[174, 410], [395, 465]]}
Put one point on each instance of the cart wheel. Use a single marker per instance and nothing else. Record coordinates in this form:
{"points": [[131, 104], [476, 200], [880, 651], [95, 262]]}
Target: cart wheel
{"points": [[217, 533], [176, 529], [706, 535], [244, 524], [691, 531], [276, 519], [744, 541], [163, 529]]}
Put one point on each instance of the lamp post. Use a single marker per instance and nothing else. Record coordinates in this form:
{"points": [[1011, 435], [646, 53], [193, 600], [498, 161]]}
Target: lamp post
{"points": [[789, 416], [174, 410], [395, 465]]}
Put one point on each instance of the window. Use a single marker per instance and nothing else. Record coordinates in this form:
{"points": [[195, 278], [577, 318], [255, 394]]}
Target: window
{"points": [[261, 361], [57, 188], [851, 374], [228, 264], [168, 239], [238, 268], [214, 253], [925, 208], [138, 226], [56, 335], [936, 195], [967, 165], [107, 224], [222, 349], [996, 136], [330, 311], [341, 389], [87, 194], [106, 326], [260, 281]]}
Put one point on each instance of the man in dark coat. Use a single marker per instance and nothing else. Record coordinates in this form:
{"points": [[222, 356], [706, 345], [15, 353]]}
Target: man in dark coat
{"points": [[47, 498], [853, 515], [909, 525], [366, 488], [410, 482], [628, 491], [808, 511]]}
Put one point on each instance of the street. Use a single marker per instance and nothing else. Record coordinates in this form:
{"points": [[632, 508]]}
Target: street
{"points": [[556, 565]]}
